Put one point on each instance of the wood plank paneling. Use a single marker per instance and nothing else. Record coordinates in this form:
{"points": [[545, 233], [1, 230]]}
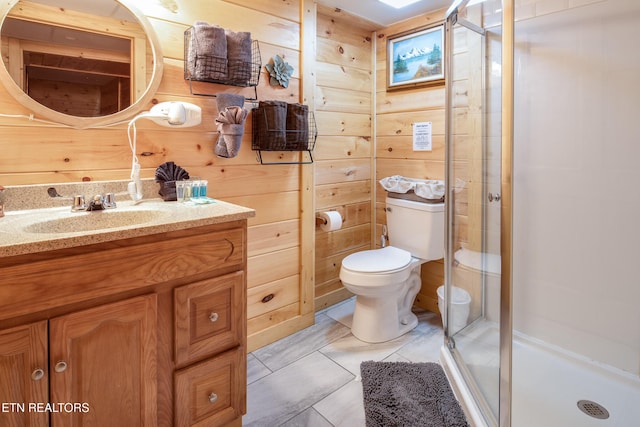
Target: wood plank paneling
{"points": [[35, 152], [343, 171], [332, 123], [344, 103], [272, 296], [396, 111], [342, 100], [271, 207], [343, 193], [288, 9], [334, 75], [272, 266], [341, 147], [272, 237], [340, 68], [344, 54]]}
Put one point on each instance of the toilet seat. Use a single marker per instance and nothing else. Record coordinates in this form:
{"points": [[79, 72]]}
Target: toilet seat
{"points": [[377, 268], [376, 261]]}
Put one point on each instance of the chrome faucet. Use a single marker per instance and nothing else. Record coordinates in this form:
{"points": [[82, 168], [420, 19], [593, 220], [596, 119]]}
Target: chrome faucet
{"points": [[98, 202]]}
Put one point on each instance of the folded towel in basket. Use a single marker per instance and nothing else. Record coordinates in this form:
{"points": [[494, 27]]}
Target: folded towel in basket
{"points": [[297, 126], [428, 189], [271, 119], [207, 56], [230, 125], [238, 56]]}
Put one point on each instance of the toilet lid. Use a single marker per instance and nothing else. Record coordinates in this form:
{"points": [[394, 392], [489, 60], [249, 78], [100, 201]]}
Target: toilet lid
{"points": [[377, 260]]}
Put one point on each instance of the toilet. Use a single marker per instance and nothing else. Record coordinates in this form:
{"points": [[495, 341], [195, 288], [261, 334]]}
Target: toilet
{"points": [[387, 280]]}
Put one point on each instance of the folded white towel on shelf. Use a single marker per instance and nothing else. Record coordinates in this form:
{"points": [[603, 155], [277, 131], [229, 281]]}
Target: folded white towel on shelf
{"points": [[429, 189]]}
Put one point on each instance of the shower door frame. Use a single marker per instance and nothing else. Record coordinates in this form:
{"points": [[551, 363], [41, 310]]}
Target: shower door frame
{"points": [[506, 213], [506, 193]]}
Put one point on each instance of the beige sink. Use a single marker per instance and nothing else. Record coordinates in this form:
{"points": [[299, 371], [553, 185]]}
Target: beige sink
{"points": [[96, 220]]}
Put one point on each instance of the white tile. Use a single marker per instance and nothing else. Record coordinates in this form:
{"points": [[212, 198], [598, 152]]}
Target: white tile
{"points": [[396, 357], [344, 407], [349, 351], [307, 418], [424, 348], [255, 369], [343, 312], [302, 343], [289, 391]]}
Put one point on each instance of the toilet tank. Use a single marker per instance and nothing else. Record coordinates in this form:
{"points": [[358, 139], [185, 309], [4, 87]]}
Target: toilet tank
{"points": [[416, 227]]}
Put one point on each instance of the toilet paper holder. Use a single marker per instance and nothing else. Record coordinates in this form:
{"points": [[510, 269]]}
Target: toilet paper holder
{"points": [[322, 221]]}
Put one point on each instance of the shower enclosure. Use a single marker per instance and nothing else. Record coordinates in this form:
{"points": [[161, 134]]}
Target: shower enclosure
{"points": [[542, 147]]}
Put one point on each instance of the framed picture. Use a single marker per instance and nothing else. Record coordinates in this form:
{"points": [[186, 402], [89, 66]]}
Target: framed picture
{"points": [[416, 58]]}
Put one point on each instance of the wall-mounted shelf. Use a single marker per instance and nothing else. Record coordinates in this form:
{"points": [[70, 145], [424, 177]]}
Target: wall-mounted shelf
{"points": [[290, 135], [211, 69]]}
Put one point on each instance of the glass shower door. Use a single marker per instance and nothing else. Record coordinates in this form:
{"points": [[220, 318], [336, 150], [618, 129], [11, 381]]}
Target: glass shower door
{"points": [[473, 181]]}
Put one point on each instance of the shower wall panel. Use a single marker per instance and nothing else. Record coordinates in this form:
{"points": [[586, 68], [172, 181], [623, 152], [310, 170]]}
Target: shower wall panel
{"points": [[576, 178]]}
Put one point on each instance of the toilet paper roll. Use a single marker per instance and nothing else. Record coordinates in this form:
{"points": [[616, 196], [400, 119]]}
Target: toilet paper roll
{"points": [[332, 221]]}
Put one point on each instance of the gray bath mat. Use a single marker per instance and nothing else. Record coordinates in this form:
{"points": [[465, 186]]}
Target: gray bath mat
{"points": [[409, 395]]}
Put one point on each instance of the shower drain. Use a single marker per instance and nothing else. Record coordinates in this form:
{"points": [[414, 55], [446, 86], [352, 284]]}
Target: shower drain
{"points": [[593, 409]]}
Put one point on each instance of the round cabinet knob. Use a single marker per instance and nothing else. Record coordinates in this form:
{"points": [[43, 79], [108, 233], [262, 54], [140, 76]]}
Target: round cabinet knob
{"points": [[37, 374], [213, 397], [61, 366], [213, 317]]}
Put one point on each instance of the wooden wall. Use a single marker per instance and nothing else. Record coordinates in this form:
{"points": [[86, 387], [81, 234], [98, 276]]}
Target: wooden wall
{"points": [[343, 172], [354, 151], [396, 111], [340, 74], [33, 152]]}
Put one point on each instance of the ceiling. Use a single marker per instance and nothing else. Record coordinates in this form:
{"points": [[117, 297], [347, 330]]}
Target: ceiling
{"points": [[385, 15]]}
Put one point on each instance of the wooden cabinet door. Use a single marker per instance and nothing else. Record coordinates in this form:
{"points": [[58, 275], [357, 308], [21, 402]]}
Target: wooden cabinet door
{"points": [[104, 360], [23, 375]]}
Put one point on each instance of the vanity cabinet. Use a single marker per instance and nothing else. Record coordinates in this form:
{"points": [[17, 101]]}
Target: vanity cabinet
{"points": [[86, 366], [23, 364], [208, 328], [142, 331]]}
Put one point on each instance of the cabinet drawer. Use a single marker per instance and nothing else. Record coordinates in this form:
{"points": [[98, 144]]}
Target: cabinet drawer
{"points": [[212, 392], [99, 270], [209, 317]]}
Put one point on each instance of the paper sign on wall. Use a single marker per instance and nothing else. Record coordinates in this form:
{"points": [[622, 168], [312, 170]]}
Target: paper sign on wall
{"points": [[422, 136]]}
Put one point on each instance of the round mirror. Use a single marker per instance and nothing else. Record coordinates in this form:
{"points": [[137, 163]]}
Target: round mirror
{"points": [[77, 62]]}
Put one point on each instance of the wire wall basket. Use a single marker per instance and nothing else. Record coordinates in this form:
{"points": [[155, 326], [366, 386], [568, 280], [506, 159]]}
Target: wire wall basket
{"points": [[298, 134], [200, 67]]}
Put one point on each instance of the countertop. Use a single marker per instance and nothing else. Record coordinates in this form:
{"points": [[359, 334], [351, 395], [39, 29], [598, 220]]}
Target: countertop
{"points": [[21, 232]]}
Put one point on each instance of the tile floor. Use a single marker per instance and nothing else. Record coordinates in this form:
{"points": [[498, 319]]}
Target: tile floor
{"points": [[312, 378]]}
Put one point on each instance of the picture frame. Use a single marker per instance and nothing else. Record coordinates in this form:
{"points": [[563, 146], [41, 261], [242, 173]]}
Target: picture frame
{"points": [[416, 58]]}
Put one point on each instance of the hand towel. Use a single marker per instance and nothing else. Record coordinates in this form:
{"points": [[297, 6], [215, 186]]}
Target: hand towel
{"points": [[224, 100], [207, 56], [230, 125], [239, 56], [297, 127]]}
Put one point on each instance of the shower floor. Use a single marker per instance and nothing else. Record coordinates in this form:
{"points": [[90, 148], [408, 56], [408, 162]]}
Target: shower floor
{"points": [[548, 383]]}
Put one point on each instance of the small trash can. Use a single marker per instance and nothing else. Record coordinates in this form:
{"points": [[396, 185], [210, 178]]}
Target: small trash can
{"points": [[460, 302]]}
